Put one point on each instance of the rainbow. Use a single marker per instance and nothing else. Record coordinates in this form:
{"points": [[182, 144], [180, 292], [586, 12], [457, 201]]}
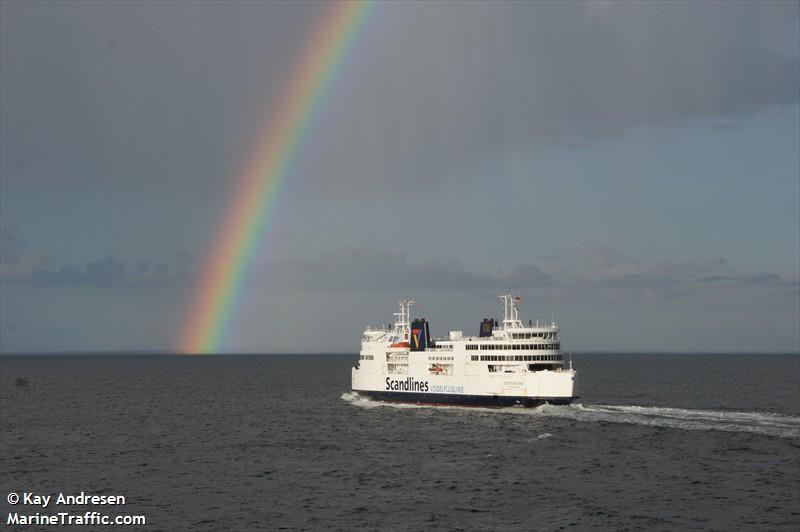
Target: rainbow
{"points": [[215, 295]]}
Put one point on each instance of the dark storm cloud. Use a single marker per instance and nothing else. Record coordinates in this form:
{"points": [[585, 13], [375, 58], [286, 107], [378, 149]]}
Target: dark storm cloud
{"points": [[174, 91], [451, 83], [121, 91]]}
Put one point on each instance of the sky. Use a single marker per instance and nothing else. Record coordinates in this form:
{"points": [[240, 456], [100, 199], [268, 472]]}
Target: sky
{"points": [[631, 168]]}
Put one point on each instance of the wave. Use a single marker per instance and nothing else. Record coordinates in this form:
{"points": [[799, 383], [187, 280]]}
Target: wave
{"points": [[784, 426]]}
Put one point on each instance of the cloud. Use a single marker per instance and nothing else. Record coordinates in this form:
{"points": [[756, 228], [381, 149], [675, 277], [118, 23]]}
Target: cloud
{"points": [[101, 272], [17, 261], [19, 265], [364, 269], [602, 273], [430, 87], [596, 274], [447, 86]]}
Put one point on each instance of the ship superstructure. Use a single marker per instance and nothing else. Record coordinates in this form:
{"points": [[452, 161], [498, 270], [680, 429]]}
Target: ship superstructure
{"points": [[508, 363]]}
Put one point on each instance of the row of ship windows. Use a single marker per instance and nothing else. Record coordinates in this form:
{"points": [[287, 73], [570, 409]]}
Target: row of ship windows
{"points": [[367, 357], [526, 336], [512, 347], [514, 358], [440, 358]]}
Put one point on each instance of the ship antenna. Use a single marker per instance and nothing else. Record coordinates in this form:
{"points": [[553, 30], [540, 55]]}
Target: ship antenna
{"points": [[510, 311]]}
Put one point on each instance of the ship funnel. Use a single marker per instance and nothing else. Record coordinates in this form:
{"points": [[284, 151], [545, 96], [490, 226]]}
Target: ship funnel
{"points": [[420, 335]]}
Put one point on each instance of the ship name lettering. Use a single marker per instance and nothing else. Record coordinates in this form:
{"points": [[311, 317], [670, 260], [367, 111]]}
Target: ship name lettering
{"points": [[409, 384]]}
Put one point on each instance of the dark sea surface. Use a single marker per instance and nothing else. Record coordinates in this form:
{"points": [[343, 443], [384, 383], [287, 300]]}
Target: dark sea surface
{"points": [[655, 442]]}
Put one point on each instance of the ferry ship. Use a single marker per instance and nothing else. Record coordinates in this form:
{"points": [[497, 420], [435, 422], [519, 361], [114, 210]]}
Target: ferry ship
{"points": [[508, 363]]}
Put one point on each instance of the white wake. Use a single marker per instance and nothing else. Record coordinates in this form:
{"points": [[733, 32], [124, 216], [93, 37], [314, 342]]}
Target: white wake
{"points": [[784, 426], [681, 418]]}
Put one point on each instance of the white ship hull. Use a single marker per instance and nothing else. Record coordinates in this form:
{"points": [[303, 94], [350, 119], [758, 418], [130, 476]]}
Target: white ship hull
{"points": [[534, 389], [507, 364]]}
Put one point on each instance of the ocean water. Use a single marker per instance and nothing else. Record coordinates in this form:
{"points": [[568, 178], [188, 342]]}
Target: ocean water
{"points": [[655, 442]]}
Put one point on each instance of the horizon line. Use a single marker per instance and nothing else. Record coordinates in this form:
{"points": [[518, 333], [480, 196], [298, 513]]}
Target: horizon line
{"points": [[354, 353]]}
